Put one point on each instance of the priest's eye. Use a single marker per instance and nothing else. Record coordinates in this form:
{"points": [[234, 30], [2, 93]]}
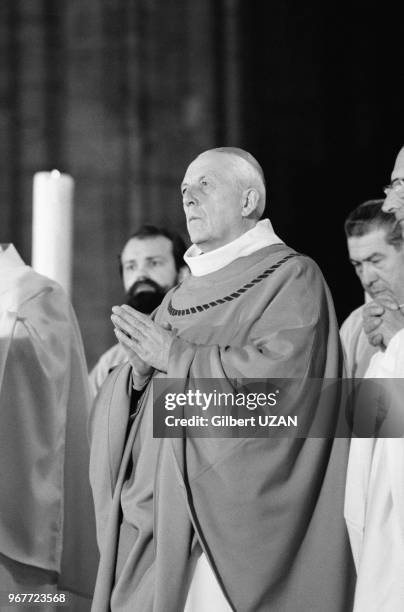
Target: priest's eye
{"points": [[204, 182]]}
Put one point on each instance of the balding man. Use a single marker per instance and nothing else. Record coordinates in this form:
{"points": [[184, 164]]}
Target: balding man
{"points": [[385, 322], [394, 201], [208, 524], [392, 322]]}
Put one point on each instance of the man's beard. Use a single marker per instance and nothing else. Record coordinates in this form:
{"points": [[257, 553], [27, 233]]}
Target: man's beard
{"points": [[147, 298]]}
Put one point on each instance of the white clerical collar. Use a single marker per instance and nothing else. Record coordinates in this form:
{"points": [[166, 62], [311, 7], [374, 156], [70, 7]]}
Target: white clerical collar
{"points": [[260, 236]]}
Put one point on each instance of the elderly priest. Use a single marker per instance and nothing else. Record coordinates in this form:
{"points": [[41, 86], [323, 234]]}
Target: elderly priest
{"points": [[203, 524]]}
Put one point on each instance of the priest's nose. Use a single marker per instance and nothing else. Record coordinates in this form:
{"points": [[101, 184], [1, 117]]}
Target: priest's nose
{"points": [[189, 198]]}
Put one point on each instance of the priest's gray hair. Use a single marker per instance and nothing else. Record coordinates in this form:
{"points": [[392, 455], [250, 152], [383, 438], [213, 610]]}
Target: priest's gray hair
{"points": [[249, 174]]}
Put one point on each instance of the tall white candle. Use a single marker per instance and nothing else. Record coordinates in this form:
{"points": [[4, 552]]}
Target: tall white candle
{"points": [[52, 226]]}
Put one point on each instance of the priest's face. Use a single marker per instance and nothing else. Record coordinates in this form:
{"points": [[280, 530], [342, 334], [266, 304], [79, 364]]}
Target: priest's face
{"points": [[148, 271], [394, 201], [212, 198], [379, 265]]}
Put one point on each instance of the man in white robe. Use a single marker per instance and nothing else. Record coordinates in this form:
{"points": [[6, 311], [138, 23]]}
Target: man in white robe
{"points": [[373, 341], [47, 535], [374, 245]]}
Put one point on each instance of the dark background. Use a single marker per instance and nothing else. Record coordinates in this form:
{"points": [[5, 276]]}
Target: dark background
{"points": [[123, 94]]}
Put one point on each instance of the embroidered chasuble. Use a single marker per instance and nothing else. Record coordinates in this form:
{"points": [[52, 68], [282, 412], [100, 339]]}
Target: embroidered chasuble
{"points": [[267, 514]]}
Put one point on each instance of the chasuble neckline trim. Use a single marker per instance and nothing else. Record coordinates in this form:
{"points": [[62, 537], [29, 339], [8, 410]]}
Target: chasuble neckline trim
{"points": [[232, 296]]}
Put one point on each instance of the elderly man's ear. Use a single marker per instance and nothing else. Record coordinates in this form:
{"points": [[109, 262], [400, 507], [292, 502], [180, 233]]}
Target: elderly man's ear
{"points": [[250, 201]]}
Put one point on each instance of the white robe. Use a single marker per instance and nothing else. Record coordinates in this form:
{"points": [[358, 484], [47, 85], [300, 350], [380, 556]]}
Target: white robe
{"points": [[46, 513], [374, 503], [357, 350]]}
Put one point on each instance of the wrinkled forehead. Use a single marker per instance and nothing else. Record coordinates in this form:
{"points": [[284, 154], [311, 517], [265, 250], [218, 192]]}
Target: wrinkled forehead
{"points": [[371, 243], [398, 170]]}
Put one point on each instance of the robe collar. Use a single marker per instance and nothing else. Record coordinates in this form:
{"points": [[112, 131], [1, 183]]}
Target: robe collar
{"points": [[260, 236]]}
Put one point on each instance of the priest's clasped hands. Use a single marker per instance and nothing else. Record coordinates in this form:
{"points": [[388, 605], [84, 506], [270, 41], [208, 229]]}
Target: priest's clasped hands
{"points": [[147, 344], [382, 319]]}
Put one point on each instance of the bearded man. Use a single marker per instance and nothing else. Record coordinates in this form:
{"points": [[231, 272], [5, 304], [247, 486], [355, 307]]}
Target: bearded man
{"points": [[150, 264]]}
